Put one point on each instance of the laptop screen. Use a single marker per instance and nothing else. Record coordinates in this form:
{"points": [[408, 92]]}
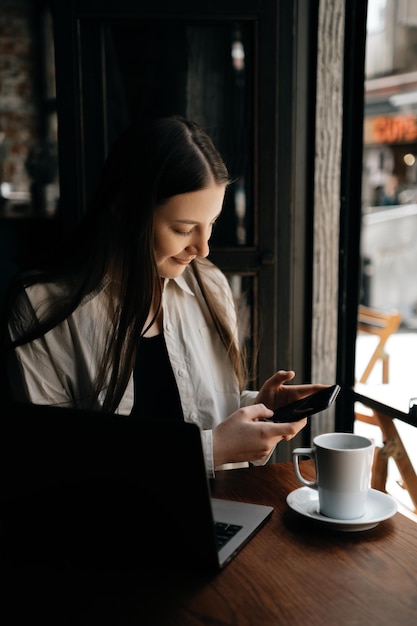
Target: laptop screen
{"points": [[105, 488]]}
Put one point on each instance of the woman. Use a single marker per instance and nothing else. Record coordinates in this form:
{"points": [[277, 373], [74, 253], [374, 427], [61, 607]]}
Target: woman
{"points": [[131, 318]]}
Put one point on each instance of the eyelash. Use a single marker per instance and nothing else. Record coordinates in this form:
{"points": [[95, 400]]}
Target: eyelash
{"points": [[189, 232], [180, 232]]}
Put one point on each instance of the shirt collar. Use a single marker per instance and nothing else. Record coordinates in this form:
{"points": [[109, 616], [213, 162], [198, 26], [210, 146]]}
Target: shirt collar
{"points": [[182, 284]]}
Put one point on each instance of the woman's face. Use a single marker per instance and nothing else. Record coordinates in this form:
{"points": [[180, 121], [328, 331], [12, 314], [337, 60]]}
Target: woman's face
{"points": [[183, 226]]}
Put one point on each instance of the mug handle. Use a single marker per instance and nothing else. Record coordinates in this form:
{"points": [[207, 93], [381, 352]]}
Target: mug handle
{"points": [[309, 452]]}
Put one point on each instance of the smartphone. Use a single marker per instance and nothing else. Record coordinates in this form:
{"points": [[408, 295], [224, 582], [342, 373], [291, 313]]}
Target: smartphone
{"points": [[307, 406]]}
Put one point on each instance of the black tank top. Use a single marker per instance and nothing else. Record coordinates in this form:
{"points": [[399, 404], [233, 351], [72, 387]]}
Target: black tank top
{"points": [[156, 391]]}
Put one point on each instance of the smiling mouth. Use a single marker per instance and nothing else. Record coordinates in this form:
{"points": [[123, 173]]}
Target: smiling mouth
{"points": [[182, 261]]}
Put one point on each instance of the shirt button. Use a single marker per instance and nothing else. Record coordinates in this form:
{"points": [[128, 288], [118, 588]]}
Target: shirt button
{"points": [[181, 373], [193, 416]]}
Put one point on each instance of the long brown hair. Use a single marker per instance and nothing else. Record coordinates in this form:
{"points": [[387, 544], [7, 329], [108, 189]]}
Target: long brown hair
{"points": [[149, 163]]}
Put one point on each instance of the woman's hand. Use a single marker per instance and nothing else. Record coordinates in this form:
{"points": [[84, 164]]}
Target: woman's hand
{"points": [[243, 436], [274, 393]]}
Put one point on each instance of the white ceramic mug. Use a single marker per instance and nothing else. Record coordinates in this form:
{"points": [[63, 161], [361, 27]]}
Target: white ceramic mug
{"points": [[343, 464]]}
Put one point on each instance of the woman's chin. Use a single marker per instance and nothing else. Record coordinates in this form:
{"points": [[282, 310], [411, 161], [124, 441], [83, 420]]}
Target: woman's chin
{"points": [[171, 270]]}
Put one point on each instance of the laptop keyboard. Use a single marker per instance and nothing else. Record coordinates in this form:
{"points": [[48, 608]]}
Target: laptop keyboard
{"points": [[224, 532]]}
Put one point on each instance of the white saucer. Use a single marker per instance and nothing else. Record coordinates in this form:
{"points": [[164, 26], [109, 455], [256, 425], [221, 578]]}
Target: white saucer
{"points": [[379, 506]]}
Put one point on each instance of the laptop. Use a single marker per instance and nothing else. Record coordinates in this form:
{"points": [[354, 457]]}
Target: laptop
{"points": [[112, 491]]}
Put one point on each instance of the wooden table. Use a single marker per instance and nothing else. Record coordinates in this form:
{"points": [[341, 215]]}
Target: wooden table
{"points": [[294, 571]]}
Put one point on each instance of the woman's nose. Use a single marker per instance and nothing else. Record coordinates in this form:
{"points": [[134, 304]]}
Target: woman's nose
{"points": [[200, 247]]}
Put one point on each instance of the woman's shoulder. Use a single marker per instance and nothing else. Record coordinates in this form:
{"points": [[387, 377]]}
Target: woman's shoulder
{"points": [[28, 289], [34, 295], [38, 305]]}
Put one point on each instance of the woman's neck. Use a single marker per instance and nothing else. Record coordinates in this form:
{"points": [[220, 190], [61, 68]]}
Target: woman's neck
{"points": [[156, 326]]}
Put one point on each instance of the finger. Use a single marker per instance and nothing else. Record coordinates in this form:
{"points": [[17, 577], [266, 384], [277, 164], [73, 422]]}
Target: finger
{"points": [[290, 430], [258, 411], [305, 390], [282, 376]]}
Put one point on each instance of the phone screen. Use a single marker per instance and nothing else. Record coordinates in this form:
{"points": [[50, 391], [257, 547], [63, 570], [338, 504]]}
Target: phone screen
{"points": [[305, 407]]}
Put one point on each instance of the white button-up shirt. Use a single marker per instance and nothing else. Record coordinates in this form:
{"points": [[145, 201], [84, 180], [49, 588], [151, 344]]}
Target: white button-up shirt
{"points": [[60, 368]]}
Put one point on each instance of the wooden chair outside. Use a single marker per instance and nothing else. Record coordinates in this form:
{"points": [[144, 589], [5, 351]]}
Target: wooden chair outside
{"points": [[383, 325]]}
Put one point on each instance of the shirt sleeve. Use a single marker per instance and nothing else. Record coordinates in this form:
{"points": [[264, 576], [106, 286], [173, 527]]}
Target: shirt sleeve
{"points": [[207, 440], [247, 398]]}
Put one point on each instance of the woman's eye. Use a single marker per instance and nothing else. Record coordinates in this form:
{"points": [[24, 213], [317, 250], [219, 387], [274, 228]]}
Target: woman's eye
{"points": [[184, 233]]}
